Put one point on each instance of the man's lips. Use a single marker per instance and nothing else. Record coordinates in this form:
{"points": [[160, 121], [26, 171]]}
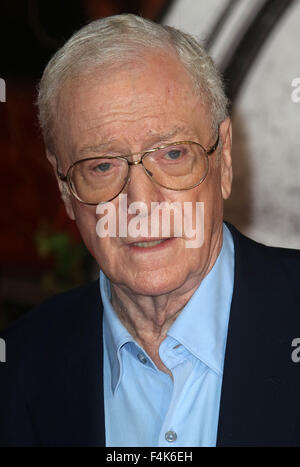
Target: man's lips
{"points": [[147, 244], [143, 243]]}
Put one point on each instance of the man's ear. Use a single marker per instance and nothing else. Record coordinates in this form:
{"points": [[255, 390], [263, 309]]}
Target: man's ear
{"points": [[63, 188], [226, 160]]}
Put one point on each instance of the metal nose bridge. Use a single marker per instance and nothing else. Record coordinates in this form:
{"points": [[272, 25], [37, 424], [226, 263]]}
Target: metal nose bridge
{"points": [[142, 154], [135, 162]]}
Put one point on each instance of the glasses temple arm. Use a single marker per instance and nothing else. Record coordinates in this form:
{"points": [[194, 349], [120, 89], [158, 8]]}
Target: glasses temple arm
{"points": [[214, 147], [61, 176]]}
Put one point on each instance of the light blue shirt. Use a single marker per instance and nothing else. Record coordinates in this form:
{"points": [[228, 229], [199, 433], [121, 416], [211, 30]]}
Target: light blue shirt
{"points": [[143, 406]]}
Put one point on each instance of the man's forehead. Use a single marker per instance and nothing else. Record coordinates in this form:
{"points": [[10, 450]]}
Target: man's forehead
{"points": [[155, 67], [122, 136], [99, 118]]}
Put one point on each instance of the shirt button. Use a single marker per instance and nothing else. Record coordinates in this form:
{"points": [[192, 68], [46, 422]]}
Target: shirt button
{"points": [[142, 358], [171, 436]]}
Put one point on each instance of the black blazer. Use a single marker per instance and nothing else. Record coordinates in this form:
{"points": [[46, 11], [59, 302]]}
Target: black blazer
{"points": [[51, 386]]}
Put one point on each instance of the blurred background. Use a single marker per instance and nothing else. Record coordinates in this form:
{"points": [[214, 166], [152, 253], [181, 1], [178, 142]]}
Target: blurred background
{"points": [[255, 44]]}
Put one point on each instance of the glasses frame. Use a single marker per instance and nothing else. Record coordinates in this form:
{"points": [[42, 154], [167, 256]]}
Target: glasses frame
{"points": [[67, 178]]}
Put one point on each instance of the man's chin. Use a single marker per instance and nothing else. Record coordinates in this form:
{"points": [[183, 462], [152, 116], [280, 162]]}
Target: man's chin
{"points": [[154, 284]]}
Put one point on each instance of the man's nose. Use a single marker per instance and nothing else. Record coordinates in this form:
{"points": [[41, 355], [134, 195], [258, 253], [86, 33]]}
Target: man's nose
{"points": [[140, 187]]}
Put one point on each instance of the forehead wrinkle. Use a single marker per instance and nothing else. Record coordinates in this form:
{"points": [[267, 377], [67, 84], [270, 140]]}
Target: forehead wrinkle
{"points": [[152, 139], [95, 148], [168, 135]]}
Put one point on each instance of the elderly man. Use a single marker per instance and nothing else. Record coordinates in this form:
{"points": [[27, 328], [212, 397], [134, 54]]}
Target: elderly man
{"points": [[187, 340]]}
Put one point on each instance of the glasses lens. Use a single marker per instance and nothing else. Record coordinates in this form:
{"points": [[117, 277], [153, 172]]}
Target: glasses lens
{"points": [[98, 180], [177, 167]]}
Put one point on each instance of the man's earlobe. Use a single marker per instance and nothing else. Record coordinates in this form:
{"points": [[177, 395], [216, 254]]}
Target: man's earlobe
{"points": [[226, 159], [64, 192]]}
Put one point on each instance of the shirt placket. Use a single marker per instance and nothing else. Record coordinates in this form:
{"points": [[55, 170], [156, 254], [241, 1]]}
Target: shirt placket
{"points": [[175, 358]]}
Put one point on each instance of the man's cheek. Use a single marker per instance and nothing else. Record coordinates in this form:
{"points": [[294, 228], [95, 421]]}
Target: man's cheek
{"points": [[194, 224]]}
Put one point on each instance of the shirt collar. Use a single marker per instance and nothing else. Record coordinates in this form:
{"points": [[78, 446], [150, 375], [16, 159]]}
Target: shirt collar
{"points": [[202, 324]]}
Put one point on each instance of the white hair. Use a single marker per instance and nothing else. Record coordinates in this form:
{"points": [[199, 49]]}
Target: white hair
{"points": [[118, 39]]}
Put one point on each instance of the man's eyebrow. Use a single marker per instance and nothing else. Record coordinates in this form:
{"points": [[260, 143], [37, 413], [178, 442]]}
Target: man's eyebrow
{"points": [[153, 139], [94, 148], [157, 138]]}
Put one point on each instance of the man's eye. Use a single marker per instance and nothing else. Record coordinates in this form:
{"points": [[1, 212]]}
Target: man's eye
{"points": [[173, 154], [103, 167]]}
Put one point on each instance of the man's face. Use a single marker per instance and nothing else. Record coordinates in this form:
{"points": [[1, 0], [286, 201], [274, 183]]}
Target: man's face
{"points": [[134, 108]]}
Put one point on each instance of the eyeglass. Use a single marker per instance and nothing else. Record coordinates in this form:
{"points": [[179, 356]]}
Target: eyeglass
{"points": [[178, 166]]}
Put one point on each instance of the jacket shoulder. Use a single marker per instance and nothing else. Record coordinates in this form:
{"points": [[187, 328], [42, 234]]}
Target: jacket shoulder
{"points": [[47, 352], [289, 255], [55, 308], [275, 266]]}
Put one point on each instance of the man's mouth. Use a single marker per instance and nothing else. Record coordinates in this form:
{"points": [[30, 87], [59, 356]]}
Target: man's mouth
{"points": [[148, 244]]}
